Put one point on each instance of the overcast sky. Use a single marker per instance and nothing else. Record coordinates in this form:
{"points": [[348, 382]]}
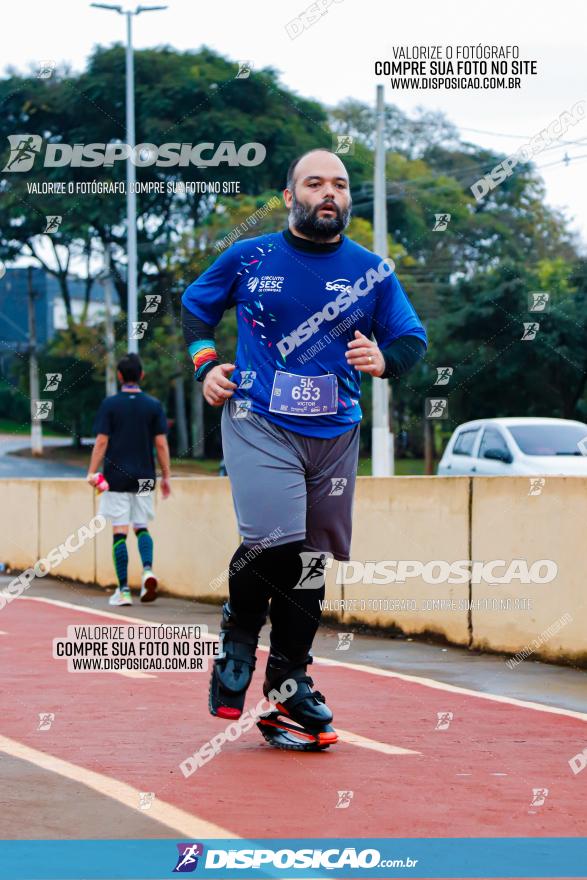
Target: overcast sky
{"points": [[333, 59]]}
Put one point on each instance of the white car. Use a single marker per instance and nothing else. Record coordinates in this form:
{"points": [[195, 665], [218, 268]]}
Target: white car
{"points": [[516, 447]]}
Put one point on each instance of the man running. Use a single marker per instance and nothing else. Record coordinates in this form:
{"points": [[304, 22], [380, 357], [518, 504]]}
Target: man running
{"points": [[126, 426], [308, 300]]}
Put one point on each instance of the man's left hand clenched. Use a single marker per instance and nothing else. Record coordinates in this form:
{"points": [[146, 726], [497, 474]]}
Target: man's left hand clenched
{"points": [[365, 355]]}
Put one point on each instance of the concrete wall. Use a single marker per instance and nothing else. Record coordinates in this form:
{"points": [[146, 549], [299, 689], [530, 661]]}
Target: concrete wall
{"points": [[399, 518], [195, 537], [410, 518], [19, 522], [63, 509], [508, 523]]}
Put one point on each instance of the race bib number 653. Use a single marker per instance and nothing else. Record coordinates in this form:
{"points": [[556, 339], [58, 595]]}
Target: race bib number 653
{"points": [[304, 395]]}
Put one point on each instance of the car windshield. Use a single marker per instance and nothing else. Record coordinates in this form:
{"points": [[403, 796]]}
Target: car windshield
{"points": [[550, 439]]}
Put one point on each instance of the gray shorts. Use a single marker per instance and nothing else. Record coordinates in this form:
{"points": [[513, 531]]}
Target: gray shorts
{"points": [[288, 487]]}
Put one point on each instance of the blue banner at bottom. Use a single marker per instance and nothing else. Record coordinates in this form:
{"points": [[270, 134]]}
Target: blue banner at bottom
{"points": [[527, 857]]}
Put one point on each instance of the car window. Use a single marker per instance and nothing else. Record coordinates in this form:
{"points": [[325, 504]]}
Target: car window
{"points": [[492, 439], [465, 442], [549, 439]]}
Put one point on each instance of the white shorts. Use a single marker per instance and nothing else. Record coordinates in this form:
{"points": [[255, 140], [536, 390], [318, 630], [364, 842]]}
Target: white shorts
{"points": [[126, 508]]}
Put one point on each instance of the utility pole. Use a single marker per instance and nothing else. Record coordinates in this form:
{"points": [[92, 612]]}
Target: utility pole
{"points": [[109, 319], [131, 199], [381, 438], [429, 445], [181, 424], [36, 426]]}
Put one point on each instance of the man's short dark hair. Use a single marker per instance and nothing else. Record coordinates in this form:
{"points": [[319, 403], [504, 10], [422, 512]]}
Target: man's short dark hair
{"points": [[130, 367], [289, 183]]}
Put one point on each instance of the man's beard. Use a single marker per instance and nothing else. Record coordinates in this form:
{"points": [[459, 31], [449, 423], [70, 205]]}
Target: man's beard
{"points": [[306, 220]]}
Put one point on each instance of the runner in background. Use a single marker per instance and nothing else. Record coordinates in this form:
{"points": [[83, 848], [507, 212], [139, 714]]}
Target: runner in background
{"points": [[127, 425]]}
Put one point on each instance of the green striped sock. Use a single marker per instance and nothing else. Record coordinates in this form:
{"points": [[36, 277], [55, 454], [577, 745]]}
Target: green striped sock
{"points": [[120, 556], [145, 542]]}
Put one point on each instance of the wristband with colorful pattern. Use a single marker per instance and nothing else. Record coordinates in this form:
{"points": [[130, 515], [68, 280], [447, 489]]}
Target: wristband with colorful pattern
{"points": [[203, 354]]}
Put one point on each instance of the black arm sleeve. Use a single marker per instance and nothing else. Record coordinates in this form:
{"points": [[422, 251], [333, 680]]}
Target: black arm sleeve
{"points": [[193, 330], [402, 355]]}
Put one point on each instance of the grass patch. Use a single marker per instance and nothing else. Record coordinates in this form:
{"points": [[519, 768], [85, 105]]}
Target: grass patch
{"points": [[8, 427], [404, 467]]}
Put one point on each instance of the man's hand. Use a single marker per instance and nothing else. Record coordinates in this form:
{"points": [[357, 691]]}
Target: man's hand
{"points": [[90, 478], [217, 385], [165, 487], [365, 355]]}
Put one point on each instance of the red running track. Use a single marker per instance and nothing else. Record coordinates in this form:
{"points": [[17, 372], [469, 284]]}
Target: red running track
{"points": [[139, 730]]}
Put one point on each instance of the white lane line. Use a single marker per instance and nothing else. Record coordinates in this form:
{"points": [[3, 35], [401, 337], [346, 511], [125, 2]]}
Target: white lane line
{"points": [[121, 618], [359, 667], [364, 742], [184, 823], [455, 689]]}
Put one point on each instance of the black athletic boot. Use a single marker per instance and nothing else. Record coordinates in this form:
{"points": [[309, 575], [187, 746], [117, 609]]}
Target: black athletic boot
{"points": [[233, 669], [298, 703]]}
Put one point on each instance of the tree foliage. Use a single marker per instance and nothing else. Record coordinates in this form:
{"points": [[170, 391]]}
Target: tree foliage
{"points": [[470, 282]]}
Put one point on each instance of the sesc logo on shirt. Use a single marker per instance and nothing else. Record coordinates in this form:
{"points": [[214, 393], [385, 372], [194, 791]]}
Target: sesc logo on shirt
{"points": [[266, 284], [339, 284]]}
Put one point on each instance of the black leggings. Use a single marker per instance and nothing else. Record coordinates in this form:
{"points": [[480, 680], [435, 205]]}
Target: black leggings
{"points": [[258, 580]]}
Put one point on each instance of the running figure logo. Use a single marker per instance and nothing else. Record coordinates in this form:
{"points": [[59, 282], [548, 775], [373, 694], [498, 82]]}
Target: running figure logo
{"points": [[187, 860], [444, 719], [539, 795], [43, 410], [345, 145], [152, 302], [530, 331], [443, 375], [338, 484], [313, 565], [146, 799], [538, 302], [244, 70], [138, 329], [344, 641], [241, 409], [436, 408], [146, 486], [23, 151], [441, 222], [45, 69], [46, 719], [52, 381], [536, 485], [53, 222], [344, 799], [247, 379]]}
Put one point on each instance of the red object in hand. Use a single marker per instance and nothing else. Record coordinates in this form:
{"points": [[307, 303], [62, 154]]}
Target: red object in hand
{"points": [[100, 483]]}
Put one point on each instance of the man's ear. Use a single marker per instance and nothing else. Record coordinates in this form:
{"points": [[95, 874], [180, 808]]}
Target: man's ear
{"points": [[142, 375], [287, 198]]}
